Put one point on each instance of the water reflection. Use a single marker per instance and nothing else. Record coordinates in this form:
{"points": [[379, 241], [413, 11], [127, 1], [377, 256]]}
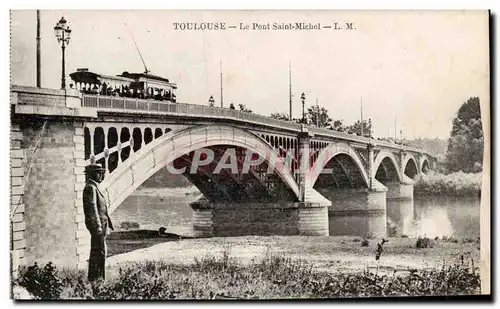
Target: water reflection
{"points": [[154, 208], [430, 216], [400, 216], [357, 225], [434, 216]]}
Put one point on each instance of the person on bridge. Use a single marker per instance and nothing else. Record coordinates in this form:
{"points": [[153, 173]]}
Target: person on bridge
{"points": [[97, 220]]}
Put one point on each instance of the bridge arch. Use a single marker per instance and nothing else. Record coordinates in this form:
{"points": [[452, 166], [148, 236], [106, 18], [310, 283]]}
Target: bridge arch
{"points": [[162, 151], [423, 164], [327, 154], [410, 166], [387, 156]]}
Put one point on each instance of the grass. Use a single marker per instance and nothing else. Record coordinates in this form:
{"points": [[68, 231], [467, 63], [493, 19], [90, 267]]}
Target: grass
{"points": [[275, 276], [455, 184]]}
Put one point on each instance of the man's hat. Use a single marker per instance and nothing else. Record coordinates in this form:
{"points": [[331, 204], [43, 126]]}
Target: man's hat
{"points": [[94, 167]]}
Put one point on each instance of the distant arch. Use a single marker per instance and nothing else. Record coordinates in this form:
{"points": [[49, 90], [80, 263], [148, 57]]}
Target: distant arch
{"points": [[386, 155], [424, 165], [410, 166], [331, 151]]}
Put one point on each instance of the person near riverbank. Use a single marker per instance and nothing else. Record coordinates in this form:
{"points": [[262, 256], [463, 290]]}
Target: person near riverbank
{"points": [[97, 220], [380, 249]]}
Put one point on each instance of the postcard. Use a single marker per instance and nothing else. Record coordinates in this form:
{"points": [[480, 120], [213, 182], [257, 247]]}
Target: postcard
{"points": [[287, 154]]}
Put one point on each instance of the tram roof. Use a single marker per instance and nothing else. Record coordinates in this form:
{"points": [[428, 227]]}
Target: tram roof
{"points": [[94, 78], [86, 76], [144, 75]]}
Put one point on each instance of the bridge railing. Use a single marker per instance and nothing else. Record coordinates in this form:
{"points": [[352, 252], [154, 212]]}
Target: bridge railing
{"points": [[123, 104], [129, 104], [364, 140]]}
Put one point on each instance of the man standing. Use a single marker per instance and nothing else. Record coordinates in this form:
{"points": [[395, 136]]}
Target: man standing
{"points": [[97, 220]]}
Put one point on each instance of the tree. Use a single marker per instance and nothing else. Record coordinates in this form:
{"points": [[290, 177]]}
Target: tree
{"points": [[436, 146], [280, 116], [338, 125], [243, 108], [318, 116], [465, 145], [356, 128], [231, 106]]}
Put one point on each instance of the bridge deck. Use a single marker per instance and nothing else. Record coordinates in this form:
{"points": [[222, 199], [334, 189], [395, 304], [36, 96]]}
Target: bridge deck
{"points": [[122, 105]]}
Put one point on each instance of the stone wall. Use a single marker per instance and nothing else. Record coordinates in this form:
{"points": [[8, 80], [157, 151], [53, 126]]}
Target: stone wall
{"points": [[233, 219], [396, 190], [50, 190], [400, 207], [17, 208], [356, 212]]}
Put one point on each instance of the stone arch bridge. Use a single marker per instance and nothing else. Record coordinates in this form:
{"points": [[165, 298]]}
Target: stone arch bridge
{"points": [[264, 176]]}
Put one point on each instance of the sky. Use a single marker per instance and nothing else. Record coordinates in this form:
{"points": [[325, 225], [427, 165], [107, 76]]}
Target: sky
{"points": [[411, 69]]}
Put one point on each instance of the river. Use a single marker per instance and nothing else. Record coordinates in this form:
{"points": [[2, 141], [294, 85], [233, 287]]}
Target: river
{"points": [[429, 216]]}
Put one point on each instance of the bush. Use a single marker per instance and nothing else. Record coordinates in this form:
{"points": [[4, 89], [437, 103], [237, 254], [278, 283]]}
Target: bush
{"points": [[424, 242], [365, 243], [455, 184], [42, 283]]}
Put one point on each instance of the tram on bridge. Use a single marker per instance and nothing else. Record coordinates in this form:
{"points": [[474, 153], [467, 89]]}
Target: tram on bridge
{"points": [[131, 85]]}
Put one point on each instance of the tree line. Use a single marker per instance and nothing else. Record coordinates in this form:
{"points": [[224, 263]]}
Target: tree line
{"points": [[466, 142], [319, 117]]}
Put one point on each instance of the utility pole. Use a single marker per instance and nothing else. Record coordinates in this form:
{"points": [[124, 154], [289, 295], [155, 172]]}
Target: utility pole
{"points": [[362, 124], [221, 91], [395, 126], [290, 87], [38, 63]]}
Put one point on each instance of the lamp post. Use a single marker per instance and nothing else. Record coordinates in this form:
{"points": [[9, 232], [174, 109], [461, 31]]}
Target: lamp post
{"points": [[63, 35], [369, 127], [211, 101], [303, 98]]}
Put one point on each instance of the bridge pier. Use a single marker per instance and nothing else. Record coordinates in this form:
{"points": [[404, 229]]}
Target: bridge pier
{"points": [[46, 193], [356, 212], [400, 206], [240, 219]]}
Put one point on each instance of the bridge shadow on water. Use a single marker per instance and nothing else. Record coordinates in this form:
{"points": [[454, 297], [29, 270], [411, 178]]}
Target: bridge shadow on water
{"points": [[126, 241]]}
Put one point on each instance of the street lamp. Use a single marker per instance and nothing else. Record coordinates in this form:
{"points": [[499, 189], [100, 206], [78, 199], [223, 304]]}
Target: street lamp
{"points": [[211, 101], [63, 35], [370, 127], [303, 98]]}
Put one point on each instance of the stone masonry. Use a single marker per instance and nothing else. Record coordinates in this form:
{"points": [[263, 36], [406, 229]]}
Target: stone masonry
{"points": [[17, 208]]}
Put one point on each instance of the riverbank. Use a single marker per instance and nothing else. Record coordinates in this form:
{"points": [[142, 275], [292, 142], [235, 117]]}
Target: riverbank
{"points": [[166, 192], [457, 184], [326, 253], [280, 267]]}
